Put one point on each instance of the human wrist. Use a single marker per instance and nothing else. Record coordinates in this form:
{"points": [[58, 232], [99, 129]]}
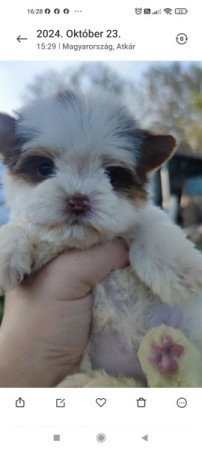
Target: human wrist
{"points": [[24, 366]]}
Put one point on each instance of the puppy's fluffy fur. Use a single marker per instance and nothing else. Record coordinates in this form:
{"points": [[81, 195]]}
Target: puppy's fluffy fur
{"points": [[77, 173]]}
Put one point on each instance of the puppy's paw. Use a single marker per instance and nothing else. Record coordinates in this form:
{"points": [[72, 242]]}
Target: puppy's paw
{"points": [[169, 359], [165, 355], [15, 257]]}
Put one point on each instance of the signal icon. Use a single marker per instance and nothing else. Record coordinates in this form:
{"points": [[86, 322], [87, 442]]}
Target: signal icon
{"points": [[158, 11], [168, 11]]}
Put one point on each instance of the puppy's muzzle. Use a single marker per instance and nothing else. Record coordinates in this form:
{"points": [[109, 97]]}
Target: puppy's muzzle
{"points": [[78, 204]]}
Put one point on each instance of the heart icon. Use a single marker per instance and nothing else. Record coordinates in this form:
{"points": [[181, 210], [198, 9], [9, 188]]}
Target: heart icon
{"points": [[101, 401]]}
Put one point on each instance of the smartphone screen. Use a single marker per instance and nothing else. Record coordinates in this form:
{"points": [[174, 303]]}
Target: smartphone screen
{"points": [[100, 224]]}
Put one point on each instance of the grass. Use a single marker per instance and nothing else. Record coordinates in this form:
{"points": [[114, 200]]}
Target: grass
{"points": [[199, 246]]}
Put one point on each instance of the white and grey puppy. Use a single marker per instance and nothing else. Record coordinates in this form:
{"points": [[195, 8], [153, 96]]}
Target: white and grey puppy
{"points": [[77, 174]]}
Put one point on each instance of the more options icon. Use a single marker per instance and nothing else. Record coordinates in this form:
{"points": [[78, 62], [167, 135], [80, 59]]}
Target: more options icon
{"points": [[181, 402]]}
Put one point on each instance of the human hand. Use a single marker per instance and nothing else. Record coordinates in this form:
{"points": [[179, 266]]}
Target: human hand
{"points": [[47, 318]]}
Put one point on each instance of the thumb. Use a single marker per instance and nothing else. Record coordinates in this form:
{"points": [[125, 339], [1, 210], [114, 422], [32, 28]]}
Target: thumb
{"points": [[73, 274], [97, 262], [81, 270]]}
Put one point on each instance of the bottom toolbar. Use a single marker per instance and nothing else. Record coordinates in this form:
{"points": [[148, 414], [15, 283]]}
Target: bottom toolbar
{"points": [[100, 418]]}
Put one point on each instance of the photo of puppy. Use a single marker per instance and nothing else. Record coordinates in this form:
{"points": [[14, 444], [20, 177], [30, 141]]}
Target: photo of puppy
{"points": [[77, 171]]}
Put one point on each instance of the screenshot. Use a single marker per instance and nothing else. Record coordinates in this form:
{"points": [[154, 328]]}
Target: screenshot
{"points": [[100, 224]]}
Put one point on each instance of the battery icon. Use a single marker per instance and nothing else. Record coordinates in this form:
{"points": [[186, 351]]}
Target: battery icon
{"points": [[181, 10]]}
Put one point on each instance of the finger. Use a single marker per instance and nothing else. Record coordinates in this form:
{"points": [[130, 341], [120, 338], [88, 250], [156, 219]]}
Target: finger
{"points": [[81, 270]]}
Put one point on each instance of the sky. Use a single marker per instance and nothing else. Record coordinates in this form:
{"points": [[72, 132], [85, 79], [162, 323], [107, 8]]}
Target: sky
{"points": [[15, 75]]}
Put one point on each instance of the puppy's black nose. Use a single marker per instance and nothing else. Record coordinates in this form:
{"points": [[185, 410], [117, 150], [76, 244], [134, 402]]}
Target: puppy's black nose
{"points": [[78, 203]]}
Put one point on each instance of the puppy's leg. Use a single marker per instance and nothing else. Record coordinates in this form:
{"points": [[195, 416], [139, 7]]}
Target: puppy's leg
{"points": [[21, 254], [164, 259], [15, 256], [169, 359], [77, 380], [108, 381], [98, 379]]}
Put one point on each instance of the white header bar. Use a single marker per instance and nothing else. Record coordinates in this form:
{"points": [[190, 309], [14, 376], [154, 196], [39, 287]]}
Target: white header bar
{"points": [[106, 30]]}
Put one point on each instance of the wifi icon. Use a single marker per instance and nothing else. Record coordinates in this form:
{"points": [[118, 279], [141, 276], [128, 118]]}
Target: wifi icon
{"points": [[168, 11]]}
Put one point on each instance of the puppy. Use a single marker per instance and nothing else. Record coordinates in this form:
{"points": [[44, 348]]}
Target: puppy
{"points": [[77, 174]]}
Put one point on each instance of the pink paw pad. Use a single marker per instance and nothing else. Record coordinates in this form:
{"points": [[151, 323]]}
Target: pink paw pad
{"points": [[165, 355]]}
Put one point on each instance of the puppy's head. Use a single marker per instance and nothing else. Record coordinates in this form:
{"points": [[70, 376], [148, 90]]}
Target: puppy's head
{"points": [[79, 162]]}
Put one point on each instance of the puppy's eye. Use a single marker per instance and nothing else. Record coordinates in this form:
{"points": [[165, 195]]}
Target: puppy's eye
{"points": [[35, 168], [120, 177], [46, 169]]}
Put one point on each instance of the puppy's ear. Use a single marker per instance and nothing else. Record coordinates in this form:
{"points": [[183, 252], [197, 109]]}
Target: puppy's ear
{"points": [[7, 137], [155, 150]]}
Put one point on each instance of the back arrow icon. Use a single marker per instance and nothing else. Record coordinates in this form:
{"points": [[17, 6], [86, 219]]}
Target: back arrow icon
{"points": [[20, 38], [146, 437]]}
